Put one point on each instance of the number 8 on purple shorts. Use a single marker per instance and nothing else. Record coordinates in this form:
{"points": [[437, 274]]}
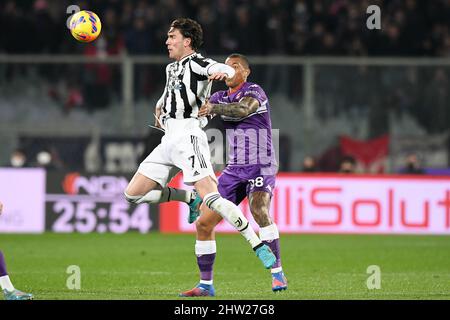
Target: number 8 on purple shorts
{"points": [[236, 183]]}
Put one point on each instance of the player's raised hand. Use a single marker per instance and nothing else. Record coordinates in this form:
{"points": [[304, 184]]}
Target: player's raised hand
{"points": [[218, 76], [205, 110]]}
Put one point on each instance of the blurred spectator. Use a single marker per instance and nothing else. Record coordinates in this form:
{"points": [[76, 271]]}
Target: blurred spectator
{"points": [[347, 165], [74, 99], [100, 78], [18, 159], [412, 165], [48, 159], [43, 159], [137, 38], [309, 164], [329, 160], [260, 27]]}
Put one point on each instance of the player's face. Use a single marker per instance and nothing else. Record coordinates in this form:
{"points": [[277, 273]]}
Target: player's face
{"points": [[241, 72], [177, 45]]}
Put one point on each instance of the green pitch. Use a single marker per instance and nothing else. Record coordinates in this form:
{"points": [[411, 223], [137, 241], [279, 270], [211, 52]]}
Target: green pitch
{"points": [[156, 266]]}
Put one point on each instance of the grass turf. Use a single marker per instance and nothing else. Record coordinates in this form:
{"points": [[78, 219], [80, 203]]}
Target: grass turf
{"points": [[157, 266]]}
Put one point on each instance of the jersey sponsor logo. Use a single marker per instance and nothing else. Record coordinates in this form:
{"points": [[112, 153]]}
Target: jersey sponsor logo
{"points": [[253, 92], [175, 84], [175, 77]]}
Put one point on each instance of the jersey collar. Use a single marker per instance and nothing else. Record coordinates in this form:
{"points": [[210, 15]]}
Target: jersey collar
{"points": [[231, 92], [186, 58]]}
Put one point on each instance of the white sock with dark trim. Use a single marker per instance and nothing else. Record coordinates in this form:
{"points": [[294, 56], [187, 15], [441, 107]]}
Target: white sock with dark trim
{"points": [[5, 283], [231, 213]]}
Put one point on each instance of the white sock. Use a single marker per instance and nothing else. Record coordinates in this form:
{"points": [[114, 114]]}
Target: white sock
{"points": [[165, 195], [5, 283], [269, 233], [231, 213], [276, 270], [205, 247]]}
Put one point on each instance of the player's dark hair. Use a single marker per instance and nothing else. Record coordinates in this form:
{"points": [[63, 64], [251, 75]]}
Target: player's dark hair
{"points": [[243, 58], [189, 29]]}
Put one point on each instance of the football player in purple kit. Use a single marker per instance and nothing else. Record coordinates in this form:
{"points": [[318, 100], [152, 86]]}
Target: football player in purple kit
{"points": [[251, 167], [9, 292]]}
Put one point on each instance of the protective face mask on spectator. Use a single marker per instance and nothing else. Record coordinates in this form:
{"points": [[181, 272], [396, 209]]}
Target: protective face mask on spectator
{"points": [[44, 158], [17, 161]]}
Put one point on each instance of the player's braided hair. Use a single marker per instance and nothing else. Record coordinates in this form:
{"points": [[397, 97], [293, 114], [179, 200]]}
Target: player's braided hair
{"points": [[189, 29]]}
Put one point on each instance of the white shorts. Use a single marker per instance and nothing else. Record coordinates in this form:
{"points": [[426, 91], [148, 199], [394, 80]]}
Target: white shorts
{"points": [[183, 147]]}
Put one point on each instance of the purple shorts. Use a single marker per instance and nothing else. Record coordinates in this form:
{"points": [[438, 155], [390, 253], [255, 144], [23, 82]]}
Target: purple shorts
{"points": [[237, 182]]}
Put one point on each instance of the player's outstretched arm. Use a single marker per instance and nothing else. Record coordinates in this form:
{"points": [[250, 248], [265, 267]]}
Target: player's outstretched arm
{"points": [[239, 109], [212, 69]]}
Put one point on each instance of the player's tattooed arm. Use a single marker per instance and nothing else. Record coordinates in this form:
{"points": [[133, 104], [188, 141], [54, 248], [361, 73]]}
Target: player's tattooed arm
{"points": [[241, 109]]}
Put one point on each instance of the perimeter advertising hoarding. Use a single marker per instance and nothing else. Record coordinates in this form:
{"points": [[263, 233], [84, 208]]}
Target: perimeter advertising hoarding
{"points": [[378, 204], [22, 192], [77, 202]]}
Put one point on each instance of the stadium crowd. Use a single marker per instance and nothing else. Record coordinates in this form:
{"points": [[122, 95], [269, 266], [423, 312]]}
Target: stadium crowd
{"points": [[256, 27]]}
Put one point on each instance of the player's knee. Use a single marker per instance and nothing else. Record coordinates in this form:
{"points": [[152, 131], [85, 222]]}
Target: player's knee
{"points": [[203, 228], [131, 198], [210, 200]]}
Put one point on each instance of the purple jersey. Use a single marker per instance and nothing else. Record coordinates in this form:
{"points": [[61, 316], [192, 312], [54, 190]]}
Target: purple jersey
{"points": [[250, 138]]}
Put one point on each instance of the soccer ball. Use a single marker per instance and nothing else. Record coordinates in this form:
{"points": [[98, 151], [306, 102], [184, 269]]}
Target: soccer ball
{"points": [[85, 26]]}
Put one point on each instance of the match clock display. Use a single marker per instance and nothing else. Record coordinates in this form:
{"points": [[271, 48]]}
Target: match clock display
{"points": [[86, 203]]}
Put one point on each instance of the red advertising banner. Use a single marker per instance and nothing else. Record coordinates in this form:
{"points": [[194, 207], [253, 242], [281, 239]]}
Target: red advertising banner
{"points": [[359, 204], [371, 155]]}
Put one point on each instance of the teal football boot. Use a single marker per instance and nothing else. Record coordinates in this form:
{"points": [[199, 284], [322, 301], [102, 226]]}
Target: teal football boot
{"points": [[265, 254], [17, 295], [194, 207]]}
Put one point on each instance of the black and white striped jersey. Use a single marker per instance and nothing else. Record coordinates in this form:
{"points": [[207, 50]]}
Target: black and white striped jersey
{"points": [[186, 86]]}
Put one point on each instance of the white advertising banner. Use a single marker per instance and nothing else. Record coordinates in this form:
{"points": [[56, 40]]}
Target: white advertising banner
{"points": [[354, 204], [22, 192]]}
